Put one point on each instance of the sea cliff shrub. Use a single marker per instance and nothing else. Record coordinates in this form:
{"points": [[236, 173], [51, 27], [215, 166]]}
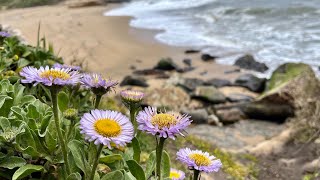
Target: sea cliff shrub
{"points": [[52, 127]]}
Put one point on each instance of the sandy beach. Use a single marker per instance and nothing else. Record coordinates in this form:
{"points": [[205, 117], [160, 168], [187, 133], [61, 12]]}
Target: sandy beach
{"points": [[107, 44]]}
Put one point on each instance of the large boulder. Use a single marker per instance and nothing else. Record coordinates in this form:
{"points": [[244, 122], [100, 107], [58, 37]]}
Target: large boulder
{"points": [[170, 98], [209, 94], [208, 57], [291, 87], [134, 81], [248, 62], [251, 82], [293, 84]]}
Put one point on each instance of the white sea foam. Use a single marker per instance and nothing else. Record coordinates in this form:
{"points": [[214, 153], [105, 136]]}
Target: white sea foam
{"points": [[275, 31]]}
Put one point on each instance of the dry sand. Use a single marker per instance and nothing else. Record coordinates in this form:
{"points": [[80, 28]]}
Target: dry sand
{"points": [[108, 44]]}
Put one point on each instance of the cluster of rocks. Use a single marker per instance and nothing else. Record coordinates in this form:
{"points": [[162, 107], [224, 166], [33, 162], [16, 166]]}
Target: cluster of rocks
{"points": [[220, 101]]}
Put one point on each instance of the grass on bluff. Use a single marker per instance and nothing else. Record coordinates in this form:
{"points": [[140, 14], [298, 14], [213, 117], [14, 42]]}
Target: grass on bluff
{"points": [[26, 3]]}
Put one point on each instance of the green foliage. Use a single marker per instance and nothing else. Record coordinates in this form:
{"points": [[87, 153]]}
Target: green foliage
{"points": [[14, 55]]}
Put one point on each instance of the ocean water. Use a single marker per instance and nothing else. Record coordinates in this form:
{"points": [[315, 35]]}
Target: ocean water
{"points": [[274, 31]]}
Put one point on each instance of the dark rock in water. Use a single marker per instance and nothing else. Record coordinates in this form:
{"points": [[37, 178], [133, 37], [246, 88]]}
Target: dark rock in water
{"points": [[116, 1], [251, 82], [209, 94], [191, 51], [268, 111], [218, 82], [208, 57], [134, 81], [198, 116], [239, 98], [227, 116], [248, 62], [166, 64], [232, 71], [190, 84], [187, 62]]}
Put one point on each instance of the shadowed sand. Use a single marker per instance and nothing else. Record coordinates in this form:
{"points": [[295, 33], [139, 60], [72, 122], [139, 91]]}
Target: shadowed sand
{"points": [[108, 44]]}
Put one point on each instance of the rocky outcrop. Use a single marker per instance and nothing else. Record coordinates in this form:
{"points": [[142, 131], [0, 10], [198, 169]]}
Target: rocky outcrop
{"points": [[293, 84], [291, 87], [134, 81], [209, 94], [251, 82], [248, 62]]}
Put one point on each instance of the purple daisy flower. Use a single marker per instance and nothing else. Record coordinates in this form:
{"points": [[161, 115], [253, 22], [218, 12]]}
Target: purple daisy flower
{"points": [[65, 66], [98, 84], [199, 160], [4, 34], [131, 96], [107, 127], [162, 124], [50, 76], [177, 174]]}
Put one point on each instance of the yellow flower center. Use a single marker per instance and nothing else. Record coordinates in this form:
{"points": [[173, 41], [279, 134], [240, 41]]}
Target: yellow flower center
{"points": [[163, 120], [200, 159], [174, 174], [107, 127], [55, 74]]}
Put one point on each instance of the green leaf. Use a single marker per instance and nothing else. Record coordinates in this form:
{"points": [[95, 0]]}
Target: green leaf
{"points": [[32, 112], [12, 162], [26, 170], [18, 112], [115, 175], [136, 149], [129, 176], [50, 142], [74, 176], [77, 150], [110, 158], [3, 98], [165, 165], [27, 99], [151, 164], [23, 62], [136, 170], [4, 123], [63, 101], [44, 125]]}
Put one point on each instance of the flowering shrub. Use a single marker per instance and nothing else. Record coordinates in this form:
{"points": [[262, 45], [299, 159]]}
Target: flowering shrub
{"points": [[51, 127]]}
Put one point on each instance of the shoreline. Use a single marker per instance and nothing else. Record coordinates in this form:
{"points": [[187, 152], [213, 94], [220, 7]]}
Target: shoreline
{"points": [[108, 44]]}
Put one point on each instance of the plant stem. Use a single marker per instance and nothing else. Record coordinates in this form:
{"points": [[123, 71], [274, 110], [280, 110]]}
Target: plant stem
{"points": [[98, 99], [54, 97], [159, 156], [196, 174], [96, 162], [133, 118]]}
